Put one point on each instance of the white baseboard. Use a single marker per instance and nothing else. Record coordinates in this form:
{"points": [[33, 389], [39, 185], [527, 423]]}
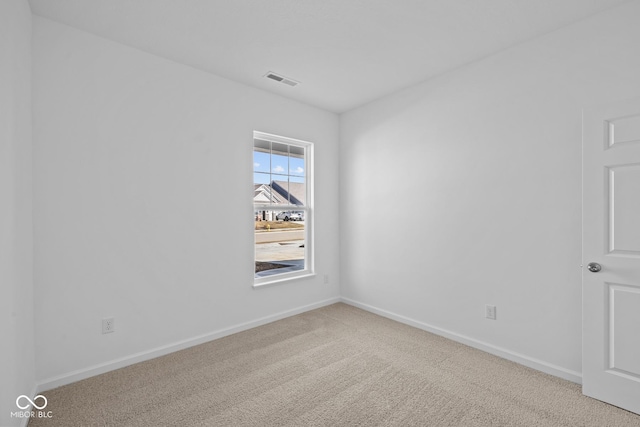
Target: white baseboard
{"points": [[82, 374], [92, 371], [540, 365]]}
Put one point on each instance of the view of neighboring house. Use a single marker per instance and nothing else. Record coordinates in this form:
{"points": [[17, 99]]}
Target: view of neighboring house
{"points": [[265, 194], [278, 193]]}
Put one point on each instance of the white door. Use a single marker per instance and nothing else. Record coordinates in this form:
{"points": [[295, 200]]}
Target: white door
{"points": [[611, 240]]}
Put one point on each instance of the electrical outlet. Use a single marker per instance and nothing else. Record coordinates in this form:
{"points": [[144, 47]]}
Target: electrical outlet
{"points": [[326, 279], [108, 325], [490, 312]]}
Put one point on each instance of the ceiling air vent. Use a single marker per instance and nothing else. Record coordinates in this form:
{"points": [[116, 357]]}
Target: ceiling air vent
{"points": [[281, 79]]}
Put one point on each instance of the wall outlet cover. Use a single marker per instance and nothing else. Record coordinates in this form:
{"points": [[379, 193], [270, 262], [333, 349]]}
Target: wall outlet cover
{"points": [[490, 312], [108, 325]]}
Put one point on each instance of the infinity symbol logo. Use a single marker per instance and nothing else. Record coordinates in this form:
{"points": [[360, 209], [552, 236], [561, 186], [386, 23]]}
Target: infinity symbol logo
{"points": [[32, 402]]}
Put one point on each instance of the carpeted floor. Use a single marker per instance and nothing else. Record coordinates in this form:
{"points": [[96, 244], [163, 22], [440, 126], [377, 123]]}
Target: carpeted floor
{"points": [[335, 366]]}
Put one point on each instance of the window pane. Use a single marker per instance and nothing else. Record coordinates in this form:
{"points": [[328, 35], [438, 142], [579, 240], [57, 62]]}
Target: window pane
{"points": [[280, 185], [280, 149], [279, 242], [262, 145], [297, 191], [296, 166], [261, 178], [261, 161], [297, 152], [280, 164]]}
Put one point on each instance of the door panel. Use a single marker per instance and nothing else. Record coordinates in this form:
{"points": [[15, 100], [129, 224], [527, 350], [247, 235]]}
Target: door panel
{"points": [[611, 238], [624, 209], [624, 325], [624, 129]]}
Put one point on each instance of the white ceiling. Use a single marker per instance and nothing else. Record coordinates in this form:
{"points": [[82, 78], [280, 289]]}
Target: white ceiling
{"points": [[344, 52]]}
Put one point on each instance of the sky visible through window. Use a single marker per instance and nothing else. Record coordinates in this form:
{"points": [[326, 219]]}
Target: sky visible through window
{"points": [[269, 167]]}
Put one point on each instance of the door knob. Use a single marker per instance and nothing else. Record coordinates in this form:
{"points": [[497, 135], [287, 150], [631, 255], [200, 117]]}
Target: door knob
{"points": [[594, 267]]}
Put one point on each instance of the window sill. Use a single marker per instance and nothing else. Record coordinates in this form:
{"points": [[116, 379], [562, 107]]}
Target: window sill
{"points": [[282, 278]]}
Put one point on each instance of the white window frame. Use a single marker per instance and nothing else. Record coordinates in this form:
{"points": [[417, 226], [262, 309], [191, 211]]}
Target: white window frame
{"points": [[308, 210]]}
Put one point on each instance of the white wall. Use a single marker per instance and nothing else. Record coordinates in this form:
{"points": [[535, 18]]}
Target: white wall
{"points": [[16, 284], [143, 201], [466, 190]]}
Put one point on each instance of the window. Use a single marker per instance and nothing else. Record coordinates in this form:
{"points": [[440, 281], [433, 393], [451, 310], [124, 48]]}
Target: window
{"points": [[282, 204]]}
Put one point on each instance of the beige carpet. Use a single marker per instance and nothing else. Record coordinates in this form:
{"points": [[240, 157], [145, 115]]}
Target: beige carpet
{"points": [[335, 366]]}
